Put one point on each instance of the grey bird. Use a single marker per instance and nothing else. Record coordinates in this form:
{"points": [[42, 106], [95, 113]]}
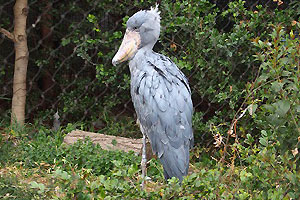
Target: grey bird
{"points": [[160, 93]]}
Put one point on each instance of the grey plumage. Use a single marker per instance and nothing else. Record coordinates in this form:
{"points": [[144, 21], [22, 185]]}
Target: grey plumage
{"points": [[161, 96], [162, 100]]}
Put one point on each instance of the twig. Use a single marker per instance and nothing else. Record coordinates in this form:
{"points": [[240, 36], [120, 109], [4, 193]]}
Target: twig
{"points": [[7, 34], [233, 125], [230, 132]]}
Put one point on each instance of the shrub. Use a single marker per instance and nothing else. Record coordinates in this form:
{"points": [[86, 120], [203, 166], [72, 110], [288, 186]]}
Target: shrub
{"points": [[275, 92]]}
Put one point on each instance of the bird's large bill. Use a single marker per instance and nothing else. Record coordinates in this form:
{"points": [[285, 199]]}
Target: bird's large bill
{"points": [[128, 48]]}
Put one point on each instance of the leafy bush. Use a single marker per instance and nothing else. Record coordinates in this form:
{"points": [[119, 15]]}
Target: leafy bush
{"points": [[275, 92]]}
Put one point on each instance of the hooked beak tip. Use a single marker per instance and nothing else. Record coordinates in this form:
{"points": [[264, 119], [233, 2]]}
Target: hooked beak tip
{"points": [[114, 62]]}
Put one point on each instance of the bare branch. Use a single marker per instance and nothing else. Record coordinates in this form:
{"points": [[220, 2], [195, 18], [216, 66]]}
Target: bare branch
{"points": [[7, 34]]}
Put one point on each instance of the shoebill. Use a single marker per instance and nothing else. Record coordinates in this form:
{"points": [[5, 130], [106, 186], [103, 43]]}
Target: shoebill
{"points": [[160, 93]]}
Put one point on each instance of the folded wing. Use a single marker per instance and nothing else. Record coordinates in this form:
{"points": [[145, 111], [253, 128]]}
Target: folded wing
{"points": [[162, 99]]}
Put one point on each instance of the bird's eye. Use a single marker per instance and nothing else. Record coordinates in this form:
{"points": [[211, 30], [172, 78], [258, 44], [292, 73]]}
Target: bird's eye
{"points": [[135, 28]]}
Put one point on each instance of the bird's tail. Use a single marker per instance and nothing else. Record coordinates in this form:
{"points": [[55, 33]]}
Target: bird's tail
{"points": [[175, 162]]}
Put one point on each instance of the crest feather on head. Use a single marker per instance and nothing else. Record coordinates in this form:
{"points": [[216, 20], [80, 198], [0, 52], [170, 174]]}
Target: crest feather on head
{"points": [[154, 11]]}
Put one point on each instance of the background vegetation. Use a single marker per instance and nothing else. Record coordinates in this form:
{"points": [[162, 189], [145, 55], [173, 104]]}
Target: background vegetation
{"points": [[242, 61]]}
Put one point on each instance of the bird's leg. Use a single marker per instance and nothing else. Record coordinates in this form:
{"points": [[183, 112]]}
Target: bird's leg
{"points": [[144, 161]]}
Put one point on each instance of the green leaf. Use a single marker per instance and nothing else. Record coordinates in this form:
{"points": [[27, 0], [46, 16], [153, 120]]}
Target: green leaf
{"points": [[34, 184], [263, 78], [252, 108], [297, 108], [250, 139], [264, 133], [263, 141], [65, 41], [62, 174], [283, 107], [276, 86], [39, 186], [91, 18]]}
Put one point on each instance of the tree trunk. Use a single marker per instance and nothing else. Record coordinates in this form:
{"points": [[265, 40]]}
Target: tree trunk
{"points": [[21, 62]]}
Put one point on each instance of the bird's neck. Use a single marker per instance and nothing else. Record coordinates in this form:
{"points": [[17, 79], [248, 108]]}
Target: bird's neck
{"points": [[142, 55]]}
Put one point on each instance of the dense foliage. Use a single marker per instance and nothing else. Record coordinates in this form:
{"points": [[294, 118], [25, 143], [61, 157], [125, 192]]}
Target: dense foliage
{"points": [[35, 164], [243, 65]]}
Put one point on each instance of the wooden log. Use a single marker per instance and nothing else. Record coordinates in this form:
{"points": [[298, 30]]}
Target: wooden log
{"points": [[107, 142]]}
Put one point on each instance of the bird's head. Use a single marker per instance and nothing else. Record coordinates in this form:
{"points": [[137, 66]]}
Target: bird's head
{"points": [[142, 31]]}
